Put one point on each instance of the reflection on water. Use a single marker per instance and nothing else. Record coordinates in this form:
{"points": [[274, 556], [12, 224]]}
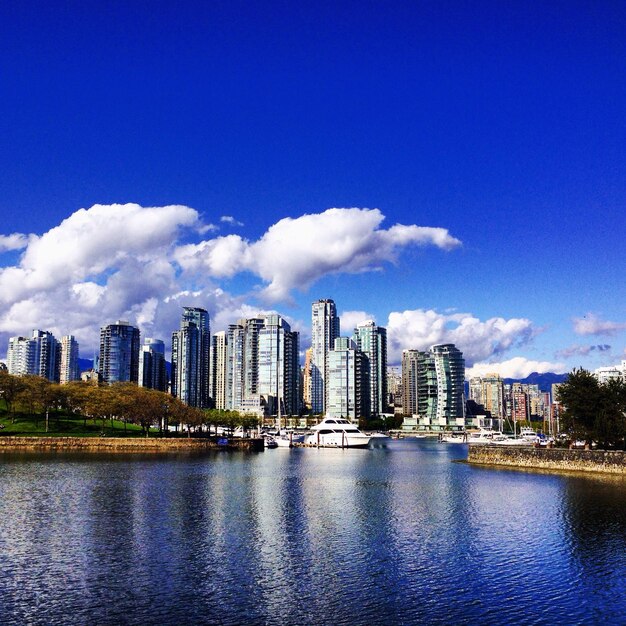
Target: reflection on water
{"points": [[396, 535]]}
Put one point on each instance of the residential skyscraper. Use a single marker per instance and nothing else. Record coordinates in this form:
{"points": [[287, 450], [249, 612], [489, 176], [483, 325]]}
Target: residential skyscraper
{"points": [[347, 381], [69, 360], [119, 353], [450, 371], [234, 366], [218, 369], [489, 392], [39, 355], [371, 340], [433, 388], [152, 371], [410, 359], [250, 375], [306, 381], [325, 328], [279, 371], [191, 347]]}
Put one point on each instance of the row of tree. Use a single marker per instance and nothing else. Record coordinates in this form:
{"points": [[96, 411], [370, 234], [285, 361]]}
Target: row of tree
{"points": [[125, 402], [594, 411]]}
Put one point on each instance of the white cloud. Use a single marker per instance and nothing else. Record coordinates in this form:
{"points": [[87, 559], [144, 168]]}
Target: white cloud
{"points": [[517, 367], [229, 219], [125, 261], [296, 252], [15, 241], [592, 324], [478, 340], [350, 319]]}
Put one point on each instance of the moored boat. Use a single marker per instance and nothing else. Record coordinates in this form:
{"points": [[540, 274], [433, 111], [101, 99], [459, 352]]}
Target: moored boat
{"points": [[337, 433]]}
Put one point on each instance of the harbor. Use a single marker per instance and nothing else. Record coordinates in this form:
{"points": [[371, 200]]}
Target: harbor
{"points": [[282, 538]]}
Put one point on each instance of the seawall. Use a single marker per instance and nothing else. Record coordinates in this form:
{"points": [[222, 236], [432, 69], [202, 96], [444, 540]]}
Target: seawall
{"points": [[127, 444], [559, 459]]}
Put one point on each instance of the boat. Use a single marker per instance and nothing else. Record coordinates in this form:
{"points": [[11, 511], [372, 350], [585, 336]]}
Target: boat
{"points": [[482, 437], [379, 440], [453, 438], [270, 442], [337, 433], [287, 438], [527, 437], [528, 434]]}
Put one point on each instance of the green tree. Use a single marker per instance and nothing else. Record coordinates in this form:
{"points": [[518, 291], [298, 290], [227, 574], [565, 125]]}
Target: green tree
{"points": [[593, 410], [10, 388]]}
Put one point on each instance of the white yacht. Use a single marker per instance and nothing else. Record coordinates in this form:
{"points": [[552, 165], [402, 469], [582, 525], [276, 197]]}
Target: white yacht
{"points": [[483, 436], [337, 433], [527, 437], [449, 437]]}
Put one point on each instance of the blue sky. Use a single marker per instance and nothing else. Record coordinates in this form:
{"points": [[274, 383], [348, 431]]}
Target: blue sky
{"points": [[501, 123]]}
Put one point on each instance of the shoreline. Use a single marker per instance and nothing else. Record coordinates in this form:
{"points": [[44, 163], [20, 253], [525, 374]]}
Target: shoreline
{"points": [[552, 459], [127, 444]]}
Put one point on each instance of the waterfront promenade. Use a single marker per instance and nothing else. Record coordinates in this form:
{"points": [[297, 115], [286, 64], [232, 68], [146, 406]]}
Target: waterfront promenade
{"points": [[557, 459], [128, 444]]}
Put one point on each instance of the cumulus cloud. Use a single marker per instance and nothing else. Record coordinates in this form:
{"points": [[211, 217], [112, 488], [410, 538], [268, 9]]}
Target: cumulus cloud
{"points": [[517, 367], [592, 324], [125, 261], [350, 319], [578, 350], [15, 241], [296, 252], [479, 340], [229, 219]]}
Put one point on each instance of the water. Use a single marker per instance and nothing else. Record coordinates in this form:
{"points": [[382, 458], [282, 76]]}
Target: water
{"points": [[397, 535]]}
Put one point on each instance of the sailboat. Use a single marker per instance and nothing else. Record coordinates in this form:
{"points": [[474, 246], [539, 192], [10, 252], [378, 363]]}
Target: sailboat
{"points": [[285, 438]]}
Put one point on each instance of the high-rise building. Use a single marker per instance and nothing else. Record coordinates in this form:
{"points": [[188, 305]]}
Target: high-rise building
{"points": [[20, 357], [218, 375], [250, 375], [371, 340], [39, 355], [347, 381], [394, 388], [434, 386], [450, 369], [325, 328], [119, 353], [410, 360], [191, 346], [234, 366], [152, 371], [306, 381], [488, 391], [518, 402], [69, 360], [278, 367]]}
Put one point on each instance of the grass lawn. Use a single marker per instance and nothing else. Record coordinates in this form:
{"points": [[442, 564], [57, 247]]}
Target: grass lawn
{"points": [[63, 425]]}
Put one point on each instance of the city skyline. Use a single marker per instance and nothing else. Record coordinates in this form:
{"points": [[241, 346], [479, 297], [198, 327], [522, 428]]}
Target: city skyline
{"points": [[475, 157]]}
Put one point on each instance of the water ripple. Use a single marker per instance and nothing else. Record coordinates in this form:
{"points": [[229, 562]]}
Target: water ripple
{"points": [[397, 535]]}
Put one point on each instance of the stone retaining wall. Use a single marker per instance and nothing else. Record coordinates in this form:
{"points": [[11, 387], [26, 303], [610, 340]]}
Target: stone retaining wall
{"points": [[611, 462], [124, 444]]}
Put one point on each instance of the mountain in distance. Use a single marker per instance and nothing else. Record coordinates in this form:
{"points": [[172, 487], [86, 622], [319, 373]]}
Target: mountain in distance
{"points": [[85, 364], [545, 380]]}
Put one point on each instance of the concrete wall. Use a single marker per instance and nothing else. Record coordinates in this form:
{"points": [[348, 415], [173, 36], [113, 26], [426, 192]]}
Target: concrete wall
{"points": [[613, 462], [123, 444]]}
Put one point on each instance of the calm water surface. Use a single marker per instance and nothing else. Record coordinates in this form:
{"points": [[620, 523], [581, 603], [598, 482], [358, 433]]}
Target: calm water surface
{"points": [[397, 535]]}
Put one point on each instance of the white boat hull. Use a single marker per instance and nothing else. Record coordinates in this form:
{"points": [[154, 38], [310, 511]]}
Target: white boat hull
{"points": [[287, 441], [338, 440]]}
